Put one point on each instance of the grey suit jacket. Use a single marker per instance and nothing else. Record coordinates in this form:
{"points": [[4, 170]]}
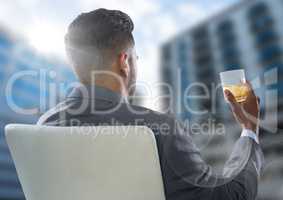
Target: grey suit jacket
{"points": [[185, 175]]}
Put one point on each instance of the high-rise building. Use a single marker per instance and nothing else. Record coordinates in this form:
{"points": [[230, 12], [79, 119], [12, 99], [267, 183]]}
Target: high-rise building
{"points": [[247, 35], [28, 80]]}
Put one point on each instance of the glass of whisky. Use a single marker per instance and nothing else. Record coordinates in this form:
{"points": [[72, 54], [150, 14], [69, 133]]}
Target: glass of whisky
{"points": [[233, 81]]}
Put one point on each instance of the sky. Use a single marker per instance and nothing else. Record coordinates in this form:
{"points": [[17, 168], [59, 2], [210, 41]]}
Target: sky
{"points": [[44, 23]]}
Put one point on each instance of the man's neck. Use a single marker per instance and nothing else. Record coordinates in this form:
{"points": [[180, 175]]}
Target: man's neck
{"points": [[111, 86]]}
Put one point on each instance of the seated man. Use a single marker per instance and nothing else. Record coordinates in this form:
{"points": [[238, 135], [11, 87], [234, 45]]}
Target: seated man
{"points": [[101, 48]]}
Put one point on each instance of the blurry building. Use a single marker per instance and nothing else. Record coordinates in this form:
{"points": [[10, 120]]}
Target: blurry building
{"points": [[247, 35], [37, 80]]}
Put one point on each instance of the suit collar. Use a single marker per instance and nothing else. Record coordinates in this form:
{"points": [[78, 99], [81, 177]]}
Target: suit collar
{"points": [[96, 92]]}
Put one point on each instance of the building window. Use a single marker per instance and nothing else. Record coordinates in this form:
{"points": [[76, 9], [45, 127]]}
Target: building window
{"points": [[200, 33], [228, 45], [203, 59], [200, 37], [265, 37], [182, 54], [230, 53], [201, 47], [270, 52], [261, 23], [258, 10], [166, 53]]}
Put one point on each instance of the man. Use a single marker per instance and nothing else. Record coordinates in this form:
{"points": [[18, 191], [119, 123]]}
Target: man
{"points": [[101, 48]]}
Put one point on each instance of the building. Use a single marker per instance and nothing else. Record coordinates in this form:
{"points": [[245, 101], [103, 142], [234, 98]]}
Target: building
{"points": [[36, 82], [247, 35]]}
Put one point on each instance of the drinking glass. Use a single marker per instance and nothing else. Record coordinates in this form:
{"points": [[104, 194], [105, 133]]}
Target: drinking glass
{"points": [[233, 81]]}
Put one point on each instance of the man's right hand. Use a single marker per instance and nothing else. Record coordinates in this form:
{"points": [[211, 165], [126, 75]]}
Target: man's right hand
{"points": [[247, 112]]}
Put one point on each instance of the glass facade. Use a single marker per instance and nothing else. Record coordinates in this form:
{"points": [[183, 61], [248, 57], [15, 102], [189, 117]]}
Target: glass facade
{"points": [[249, 36]]}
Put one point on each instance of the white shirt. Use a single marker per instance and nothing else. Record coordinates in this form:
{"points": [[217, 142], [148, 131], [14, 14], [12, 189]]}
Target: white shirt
{"points": [[251, 134]]}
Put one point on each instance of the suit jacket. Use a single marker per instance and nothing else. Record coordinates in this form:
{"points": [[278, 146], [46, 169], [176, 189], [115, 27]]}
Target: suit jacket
{"points": [[185, 174]]}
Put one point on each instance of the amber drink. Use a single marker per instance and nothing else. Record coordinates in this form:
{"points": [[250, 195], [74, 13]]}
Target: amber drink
{"points": [[234, 82]]}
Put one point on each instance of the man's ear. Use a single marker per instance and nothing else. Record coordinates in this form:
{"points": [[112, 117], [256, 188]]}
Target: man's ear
{"points": [[124, 65]]}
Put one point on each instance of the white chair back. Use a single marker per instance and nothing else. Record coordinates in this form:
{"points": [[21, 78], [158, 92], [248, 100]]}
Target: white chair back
{"points": [[84, 163]]}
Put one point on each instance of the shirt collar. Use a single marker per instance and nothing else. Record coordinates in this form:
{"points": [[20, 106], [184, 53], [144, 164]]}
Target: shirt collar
{"points": [[97, 92]]}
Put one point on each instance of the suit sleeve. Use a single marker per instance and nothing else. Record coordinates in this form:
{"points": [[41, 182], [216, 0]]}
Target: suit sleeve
{"points": [[238, 180]]}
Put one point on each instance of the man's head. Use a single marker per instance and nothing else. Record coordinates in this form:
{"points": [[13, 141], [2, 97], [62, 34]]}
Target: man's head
{"points": [[101, 42]]}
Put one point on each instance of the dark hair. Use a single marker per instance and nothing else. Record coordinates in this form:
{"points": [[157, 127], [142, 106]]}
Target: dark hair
{"points": [[98, 32]]}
